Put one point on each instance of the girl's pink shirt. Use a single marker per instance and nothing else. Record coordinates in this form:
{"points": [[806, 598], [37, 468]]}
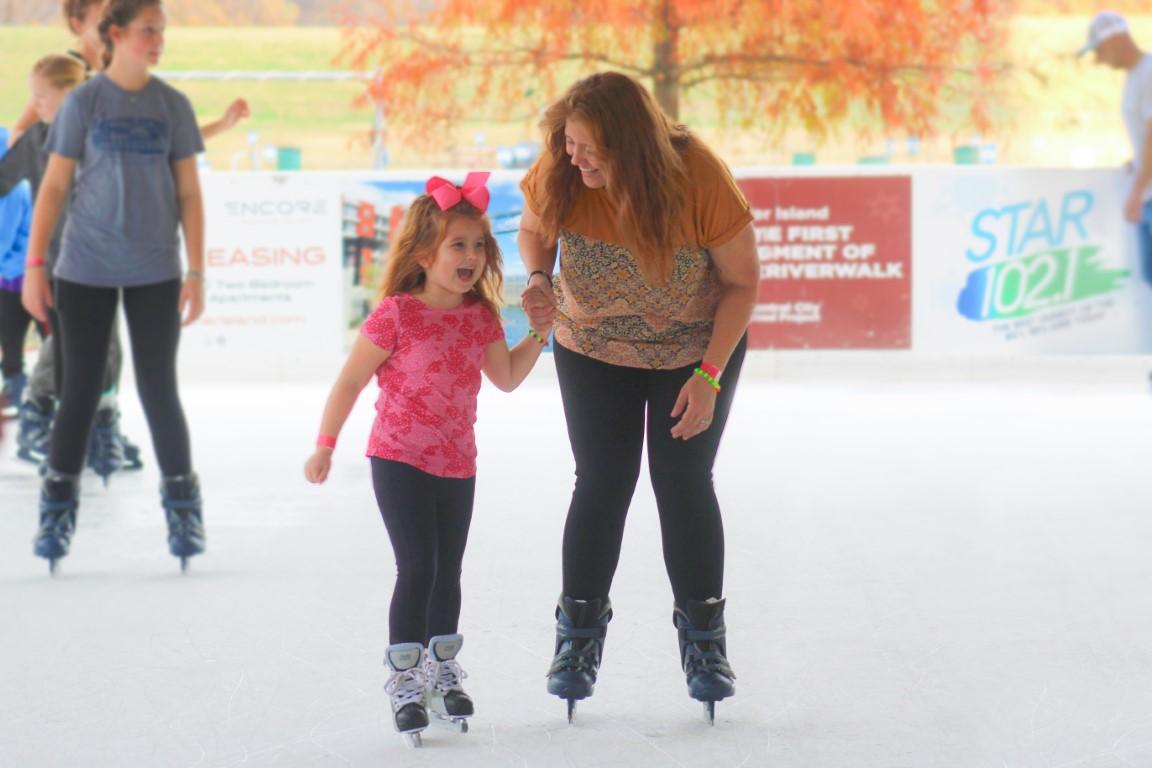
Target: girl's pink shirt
{"points": [[428, 385]]}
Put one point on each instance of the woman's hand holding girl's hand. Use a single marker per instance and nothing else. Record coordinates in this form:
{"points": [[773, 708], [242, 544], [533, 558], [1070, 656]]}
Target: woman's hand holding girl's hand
{"points": [[539, 305], [318, 464]]}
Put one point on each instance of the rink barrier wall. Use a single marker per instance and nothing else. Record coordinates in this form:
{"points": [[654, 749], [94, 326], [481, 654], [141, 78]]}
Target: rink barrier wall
{"points": [[899, 264]]}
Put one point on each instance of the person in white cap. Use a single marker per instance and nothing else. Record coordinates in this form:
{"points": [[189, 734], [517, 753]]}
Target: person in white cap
{"points": [[1110, 39]]}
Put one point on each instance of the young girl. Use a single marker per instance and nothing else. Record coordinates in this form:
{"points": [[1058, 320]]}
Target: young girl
{"points": [[436, 328], [123, 159]]}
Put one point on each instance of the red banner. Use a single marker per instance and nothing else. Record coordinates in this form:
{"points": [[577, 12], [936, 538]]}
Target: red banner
{"points": [[835, 262]]}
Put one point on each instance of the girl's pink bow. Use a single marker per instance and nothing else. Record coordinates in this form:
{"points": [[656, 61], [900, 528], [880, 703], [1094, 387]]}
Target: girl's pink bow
{"points": [[446, 194]]}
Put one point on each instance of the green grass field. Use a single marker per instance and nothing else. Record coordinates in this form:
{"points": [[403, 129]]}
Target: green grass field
{"points": [[1070, 118]]}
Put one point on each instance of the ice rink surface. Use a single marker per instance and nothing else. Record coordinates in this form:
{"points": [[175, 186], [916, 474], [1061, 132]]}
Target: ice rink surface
{"points": [[954, 570]]}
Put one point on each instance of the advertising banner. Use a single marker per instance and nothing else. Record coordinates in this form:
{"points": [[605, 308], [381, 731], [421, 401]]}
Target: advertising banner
{"points": [[1015, 261], [272, 263], [835, 262], [373, 208]]}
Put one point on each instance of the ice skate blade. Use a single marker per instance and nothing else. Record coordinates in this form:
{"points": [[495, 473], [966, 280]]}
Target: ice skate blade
{"points": [[183, 565], [710, 712], [456, 723], [412, 739], [571, 709]]}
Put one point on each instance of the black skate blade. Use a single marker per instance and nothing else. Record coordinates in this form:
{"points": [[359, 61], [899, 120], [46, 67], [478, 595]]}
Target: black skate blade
{"points": [[710, 712], [183, 565], [52, 561], [571, 709]]}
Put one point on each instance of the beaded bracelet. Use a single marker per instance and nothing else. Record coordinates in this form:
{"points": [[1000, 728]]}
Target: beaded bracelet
{"points": [[535, 272], [710, 369], [708, 378], [538, 337], [326, 441]]}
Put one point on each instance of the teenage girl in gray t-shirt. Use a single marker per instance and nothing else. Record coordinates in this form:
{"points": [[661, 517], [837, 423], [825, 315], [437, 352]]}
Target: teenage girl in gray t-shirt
{"points": [[123, 159]]}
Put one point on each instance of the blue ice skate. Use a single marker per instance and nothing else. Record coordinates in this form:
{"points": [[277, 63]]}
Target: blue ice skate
{"points": [[34, 435], [180, 496], [703, 648], [581, 626], [58, 504]]}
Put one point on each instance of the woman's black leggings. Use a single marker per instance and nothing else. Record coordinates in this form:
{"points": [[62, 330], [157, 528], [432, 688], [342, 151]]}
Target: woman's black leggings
{"points": [[427, 518], [86, 317], [609, 408], [14, 322]]}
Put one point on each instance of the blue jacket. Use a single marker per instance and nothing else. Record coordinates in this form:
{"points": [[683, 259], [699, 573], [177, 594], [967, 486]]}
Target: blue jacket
{"points": [[15, 225]]}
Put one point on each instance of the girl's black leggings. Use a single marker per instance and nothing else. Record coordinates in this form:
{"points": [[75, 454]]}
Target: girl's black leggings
{"points": [[86, 317], [610, 411], [427, 518]]}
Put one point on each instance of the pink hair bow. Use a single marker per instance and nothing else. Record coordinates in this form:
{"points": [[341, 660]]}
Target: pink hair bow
{"points": [[446, 194]]}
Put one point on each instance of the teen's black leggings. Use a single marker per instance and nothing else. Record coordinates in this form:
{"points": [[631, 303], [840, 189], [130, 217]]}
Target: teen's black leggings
{"points": [[86, 317], [610, 411], [427, 518]]}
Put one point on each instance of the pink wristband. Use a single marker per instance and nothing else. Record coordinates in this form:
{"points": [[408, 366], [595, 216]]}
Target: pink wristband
{"points": [[326, 441]]}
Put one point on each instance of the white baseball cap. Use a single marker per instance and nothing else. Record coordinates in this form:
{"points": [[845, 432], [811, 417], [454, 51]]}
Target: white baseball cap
{"points": [[1106, 24]]}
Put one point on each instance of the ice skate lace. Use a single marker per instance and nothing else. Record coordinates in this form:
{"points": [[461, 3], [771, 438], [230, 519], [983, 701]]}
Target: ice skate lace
{"points": [[446, 675], [405, 686]]}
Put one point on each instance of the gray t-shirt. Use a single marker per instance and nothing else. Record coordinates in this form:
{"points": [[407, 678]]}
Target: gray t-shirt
{"points": [[123, 215]]}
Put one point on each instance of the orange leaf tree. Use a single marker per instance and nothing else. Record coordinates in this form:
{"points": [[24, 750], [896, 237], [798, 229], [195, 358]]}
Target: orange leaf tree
{"points": [[766, 64]]}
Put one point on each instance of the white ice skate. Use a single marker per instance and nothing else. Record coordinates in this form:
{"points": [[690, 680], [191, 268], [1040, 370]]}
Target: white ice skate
{"points": [[446, 698], [405, 689]]}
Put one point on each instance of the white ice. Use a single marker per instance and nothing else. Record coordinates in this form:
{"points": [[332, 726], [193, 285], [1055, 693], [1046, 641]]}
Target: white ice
{"points": [[927, 566]]}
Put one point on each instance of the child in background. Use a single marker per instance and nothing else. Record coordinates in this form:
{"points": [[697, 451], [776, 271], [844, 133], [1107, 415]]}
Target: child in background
{"points": [[52, 78], [122, 159], [435, 329], [15, 221]]}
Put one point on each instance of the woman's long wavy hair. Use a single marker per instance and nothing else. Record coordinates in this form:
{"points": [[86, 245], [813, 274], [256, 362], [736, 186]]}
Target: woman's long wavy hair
{"points": [[639, 148], [120, 13], [424, 228]]}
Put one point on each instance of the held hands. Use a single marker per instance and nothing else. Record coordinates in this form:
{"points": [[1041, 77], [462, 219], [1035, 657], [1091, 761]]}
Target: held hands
{"points": [[539, 303], [36, 296], [694, 406], [318, 464], [191, 298]]}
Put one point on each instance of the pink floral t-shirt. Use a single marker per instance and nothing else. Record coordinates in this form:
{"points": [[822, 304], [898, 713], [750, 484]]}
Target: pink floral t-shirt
{"points": [[428, 385]]}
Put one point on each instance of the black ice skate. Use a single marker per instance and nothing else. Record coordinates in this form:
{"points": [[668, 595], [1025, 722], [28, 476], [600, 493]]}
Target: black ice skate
{"points": [[57, 518], [180, 497], [703, 647], [405, 689], [447, 700], [581, 626]]}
